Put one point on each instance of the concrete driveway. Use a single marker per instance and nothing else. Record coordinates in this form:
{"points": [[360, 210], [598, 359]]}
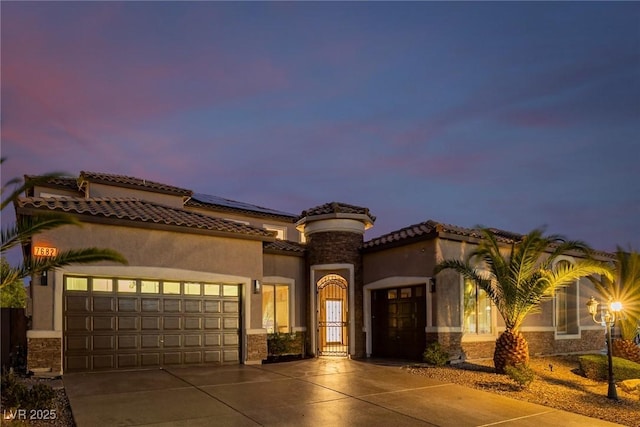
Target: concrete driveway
{"points": [[314, 392]]}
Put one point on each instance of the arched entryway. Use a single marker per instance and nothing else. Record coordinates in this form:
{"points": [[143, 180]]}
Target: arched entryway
{"points": [[333, 324]]}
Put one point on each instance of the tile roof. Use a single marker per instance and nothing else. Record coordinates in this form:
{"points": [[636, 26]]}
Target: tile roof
{"points": [[285, 246], [132, 182], [62, 182], [336, 207], [206, 200], [431, 229], [140, 211]]}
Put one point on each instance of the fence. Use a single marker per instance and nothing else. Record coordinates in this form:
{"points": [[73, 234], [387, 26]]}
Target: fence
{"points": [[14, 338]]}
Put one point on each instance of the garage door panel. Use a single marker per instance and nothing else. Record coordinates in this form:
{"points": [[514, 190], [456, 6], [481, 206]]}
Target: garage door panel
{"points": [[213, 356], [150, 341], [230, 339], [230, 306], [212, 306], [150, 323], [128, 342], [77, 343], [151, 305], [192, 357], [172, 341], [172, 358], [150, 359], [193, 306], [128, 323], [77, 363], [193, 340], [230, 356], [78, 323], [103, 361], [172, 305], [193, 323], [230, 323], [127, 360], [213, 340], [103, 342], [212, 323], [77, 303], [128, 305], [104, 304], [106, 323], [172, 323]]}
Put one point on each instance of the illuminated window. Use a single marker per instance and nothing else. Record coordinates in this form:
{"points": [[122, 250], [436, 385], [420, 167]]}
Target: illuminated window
{"points": [[102, 285], [150, 287], [566, 309], [211, 289], [477, 310], [76, 283], [230, 290], [126, 285], [275, 308], [170, 287], [192, 288]]}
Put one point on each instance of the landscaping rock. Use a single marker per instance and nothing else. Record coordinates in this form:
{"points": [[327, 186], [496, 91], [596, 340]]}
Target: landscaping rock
{"points": [[631, 386]]}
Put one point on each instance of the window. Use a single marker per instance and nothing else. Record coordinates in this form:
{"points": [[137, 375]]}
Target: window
{"points": [[192, 288], [275, 308], [477, 310], [566, 309], [76, 283], [102, 285], [149, 287], [126, 285], [170, 287], [281, 232], [211, 289]]}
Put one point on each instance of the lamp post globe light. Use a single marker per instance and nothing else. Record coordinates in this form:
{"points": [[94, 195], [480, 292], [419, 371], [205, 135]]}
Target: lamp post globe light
{"points": [[607, 319]]}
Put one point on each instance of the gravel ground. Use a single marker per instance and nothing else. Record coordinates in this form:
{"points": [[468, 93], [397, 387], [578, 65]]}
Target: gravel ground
{"points": [[557, 384], [57, 414]]}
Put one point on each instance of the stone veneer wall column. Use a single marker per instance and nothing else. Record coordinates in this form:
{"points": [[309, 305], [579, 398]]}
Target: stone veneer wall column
{"points": [[44, 351], [342, 247]]}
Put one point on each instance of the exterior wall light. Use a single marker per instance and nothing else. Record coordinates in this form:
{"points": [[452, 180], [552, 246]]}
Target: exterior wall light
{"points": [[608, 320], [256, 286]]}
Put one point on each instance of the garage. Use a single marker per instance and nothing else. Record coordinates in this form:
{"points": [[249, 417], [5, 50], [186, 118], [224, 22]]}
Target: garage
{"points": [[398, 322], [123, 323]]}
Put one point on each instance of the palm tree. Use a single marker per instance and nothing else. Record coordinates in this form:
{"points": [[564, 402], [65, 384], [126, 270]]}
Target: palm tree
{"points": [[626, 289], [518, 278], [26, 227]]}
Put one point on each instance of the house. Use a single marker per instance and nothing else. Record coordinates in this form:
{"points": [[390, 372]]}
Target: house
{"points": [[208, 279]]}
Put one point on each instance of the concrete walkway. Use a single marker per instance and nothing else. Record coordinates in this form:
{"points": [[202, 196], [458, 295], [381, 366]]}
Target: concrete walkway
{"points": [[315, 392]]}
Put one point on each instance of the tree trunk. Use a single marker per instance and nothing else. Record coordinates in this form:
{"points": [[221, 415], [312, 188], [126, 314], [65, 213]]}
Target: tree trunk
{"points": [[626, 349], [511, 349]]}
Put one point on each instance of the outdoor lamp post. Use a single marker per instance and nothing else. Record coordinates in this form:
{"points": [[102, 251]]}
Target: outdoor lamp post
{"points": [[608, 319]]}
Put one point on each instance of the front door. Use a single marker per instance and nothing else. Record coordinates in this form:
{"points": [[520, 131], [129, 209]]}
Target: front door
{"points": [[332, 316], [398, 322]]}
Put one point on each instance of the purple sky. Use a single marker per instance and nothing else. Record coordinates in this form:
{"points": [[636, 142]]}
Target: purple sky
{"points": [[511, 115]]}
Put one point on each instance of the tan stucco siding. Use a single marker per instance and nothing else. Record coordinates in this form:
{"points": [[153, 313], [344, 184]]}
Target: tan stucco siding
{"points": [[415, 259], [102, 190]]}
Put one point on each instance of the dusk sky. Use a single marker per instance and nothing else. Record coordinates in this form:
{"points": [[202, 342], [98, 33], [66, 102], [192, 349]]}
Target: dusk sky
{"points": [[510, 115]]}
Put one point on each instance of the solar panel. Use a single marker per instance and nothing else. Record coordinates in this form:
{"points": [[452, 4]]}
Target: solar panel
{"points": [[234, 204]]}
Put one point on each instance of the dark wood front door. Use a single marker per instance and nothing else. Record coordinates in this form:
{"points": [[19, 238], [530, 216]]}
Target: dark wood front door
{"points": [[398, 322]]}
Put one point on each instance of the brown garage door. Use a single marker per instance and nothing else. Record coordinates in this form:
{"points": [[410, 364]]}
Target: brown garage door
{"points": [[112, 323]]}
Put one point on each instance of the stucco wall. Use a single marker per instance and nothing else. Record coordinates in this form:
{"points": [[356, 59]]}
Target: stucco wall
{"points": [[155, 248], [416, 259], [102, 190]]}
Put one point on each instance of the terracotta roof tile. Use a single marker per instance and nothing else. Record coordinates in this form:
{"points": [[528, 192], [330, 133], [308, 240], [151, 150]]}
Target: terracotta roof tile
{"points": [[130, 181], [141, 211], [285, 246], [432, 228], [336, 207]]}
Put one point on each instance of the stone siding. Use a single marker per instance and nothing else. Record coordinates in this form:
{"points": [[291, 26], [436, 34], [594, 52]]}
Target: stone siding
{"points": [[256, 348], [342, 247], [44, 353]]}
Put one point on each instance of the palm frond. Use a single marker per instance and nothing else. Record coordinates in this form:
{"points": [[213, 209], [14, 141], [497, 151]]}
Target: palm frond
{"points": [[28, 226]]}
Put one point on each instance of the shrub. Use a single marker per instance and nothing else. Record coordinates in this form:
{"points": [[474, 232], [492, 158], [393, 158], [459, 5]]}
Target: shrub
{"points": [[16, 394], [435, 354], [596, 367], [282, 343], [522, 374]]}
